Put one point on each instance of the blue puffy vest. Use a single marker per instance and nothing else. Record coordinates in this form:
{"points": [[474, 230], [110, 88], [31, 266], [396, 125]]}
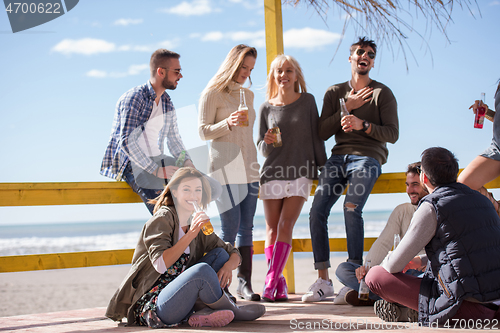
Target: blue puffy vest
{"points": [[464, 254]]}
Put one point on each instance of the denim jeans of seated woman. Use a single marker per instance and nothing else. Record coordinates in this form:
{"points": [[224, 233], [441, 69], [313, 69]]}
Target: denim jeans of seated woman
{"points": [[236, 206], [360, 173], [346, 274], [175, 302]]}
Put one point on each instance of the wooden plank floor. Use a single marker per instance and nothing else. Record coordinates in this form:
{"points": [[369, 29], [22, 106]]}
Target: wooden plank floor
{"points": [[291, 316]]}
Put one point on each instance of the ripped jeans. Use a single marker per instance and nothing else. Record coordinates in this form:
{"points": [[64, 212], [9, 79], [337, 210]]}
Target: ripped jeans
{"points": [[360, 173]]}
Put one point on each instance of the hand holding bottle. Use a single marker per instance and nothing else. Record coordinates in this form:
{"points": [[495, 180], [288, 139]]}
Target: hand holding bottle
{"points": [[364, 291], [479, 109], [237, 118], [269, 137], [201, 218]]}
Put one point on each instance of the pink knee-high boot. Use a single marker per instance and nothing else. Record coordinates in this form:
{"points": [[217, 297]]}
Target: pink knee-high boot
{"points": [[281, 288], [274, 274]]}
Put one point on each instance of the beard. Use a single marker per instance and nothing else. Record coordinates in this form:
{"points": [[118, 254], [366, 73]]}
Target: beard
{"points": [[168, 84]]}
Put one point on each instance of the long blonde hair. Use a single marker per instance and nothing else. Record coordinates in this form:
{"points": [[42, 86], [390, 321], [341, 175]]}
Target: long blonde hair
{"points": [[229, 68], [166, 198], [272, 88]]}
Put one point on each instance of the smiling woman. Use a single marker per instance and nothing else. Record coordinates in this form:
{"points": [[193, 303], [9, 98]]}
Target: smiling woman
{"points": [[233, 157], [174, 264]]}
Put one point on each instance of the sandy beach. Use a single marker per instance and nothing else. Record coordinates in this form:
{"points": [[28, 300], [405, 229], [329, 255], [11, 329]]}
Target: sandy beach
{"points": [[81, 288]]}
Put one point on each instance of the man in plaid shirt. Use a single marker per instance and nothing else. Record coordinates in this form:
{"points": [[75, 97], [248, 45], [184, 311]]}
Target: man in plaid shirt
{"points": [[144, 117]]}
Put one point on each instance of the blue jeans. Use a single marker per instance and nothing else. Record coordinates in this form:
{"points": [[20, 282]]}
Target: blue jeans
{"points": [[346, 274], [176, 301], [145, 193], [236, 207], [360, 173]]}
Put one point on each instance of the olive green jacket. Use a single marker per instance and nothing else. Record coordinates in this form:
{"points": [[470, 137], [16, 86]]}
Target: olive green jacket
{"points": [[161, 232]]}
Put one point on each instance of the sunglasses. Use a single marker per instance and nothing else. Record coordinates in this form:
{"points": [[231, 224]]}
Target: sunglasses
{"points": [[176, 71], [419, 169], [360, 52]]}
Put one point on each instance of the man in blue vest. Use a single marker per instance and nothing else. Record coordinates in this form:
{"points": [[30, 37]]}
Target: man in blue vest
{"points": [[460, 230]]}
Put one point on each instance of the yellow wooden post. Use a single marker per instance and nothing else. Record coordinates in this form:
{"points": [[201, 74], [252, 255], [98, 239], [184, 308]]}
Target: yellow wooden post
{"points": [[274, 30], [274, 46]]}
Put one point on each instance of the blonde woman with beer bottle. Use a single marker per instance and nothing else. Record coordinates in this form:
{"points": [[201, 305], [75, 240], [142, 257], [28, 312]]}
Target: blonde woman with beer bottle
{"points": [[226, 116], [288, 139]]}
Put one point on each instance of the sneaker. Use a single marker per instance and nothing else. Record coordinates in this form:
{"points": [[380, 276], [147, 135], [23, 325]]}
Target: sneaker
{"points": [[339, 300], [351, 298], [393, 312], [211, 318], [318, 291]]}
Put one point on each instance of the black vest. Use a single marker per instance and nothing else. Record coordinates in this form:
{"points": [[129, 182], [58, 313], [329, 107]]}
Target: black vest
{"points": [[464, 254]]}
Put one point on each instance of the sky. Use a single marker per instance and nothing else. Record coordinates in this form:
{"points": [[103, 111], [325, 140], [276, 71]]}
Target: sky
{"points": [[60, 82]]}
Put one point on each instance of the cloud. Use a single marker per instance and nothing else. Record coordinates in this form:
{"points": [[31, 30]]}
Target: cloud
{"points": [[194, 8], [132, 70], [87, 46], [125, 22], [306, 38], [494, 3], [256, 38], [309, 38], [91, 46]]}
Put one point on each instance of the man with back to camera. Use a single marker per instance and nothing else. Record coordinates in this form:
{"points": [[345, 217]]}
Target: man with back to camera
{"points": [[356, 159], [460, 230], [144, 117], [350, 273]]}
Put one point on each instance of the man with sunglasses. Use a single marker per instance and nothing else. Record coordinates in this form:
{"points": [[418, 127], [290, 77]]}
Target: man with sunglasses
{"points": [[360, 150], [144, 118], [398, 223]]}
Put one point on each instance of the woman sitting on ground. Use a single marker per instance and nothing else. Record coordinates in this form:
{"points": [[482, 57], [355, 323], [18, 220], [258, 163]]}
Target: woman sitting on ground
{"points": [[174, 264]]}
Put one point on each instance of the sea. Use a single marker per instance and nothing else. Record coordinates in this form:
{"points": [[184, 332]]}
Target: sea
{"points": [[114, 235]]}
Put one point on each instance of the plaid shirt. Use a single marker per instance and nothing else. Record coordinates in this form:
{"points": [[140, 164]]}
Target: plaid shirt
{"points": [[132, 111]]}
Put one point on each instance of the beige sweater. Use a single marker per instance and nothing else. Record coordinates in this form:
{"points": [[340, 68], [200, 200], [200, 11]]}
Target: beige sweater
{"points": [[233, 156], [398, 223]]}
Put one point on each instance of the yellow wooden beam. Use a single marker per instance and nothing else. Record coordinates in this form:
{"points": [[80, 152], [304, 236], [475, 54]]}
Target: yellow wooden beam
{"points": [[65, 260], [274, 30], [71, 193], [80, 193]]}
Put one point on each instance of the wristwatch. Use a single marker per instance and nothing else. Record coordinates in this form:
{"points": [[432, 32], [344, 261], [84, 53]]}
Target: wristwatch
{"points": [[366, 125]]}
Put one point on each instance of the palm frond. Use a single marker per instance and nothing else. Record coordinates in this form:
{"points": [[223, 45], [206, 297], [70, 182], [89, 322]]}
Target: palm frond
{"points": [[389, 22]]}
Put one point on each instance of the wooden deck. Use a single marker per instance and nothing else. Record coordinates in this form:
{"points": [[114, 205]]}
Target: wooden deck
{"points": [[291, 316]]}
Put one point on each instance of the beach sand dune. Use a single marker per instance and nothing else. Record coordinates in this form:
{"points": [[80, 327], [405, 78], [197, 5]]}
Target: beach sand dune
{"points": [[81, 288]]}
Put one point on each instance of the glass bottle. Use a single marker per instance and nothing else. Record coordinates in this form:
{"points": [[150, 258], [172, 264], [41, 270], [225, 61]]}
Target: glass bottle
{"points": [[364, 291], [397, 240], [243, 107], [276, 131], [480, 112], [207, 228], [181, 159], [343, 109]]}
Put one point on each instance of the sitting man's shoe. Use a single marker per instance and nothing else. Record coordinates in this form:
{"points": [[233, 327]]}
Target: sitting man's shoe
{"points": [[318, 291], [340, 299], [351, 298], [393, 312]]}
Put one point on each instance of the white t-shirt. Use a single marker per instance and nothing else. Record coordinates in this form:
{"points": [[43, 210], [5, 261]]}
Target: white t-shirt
{"points": [[148, 141], [159, 263]]}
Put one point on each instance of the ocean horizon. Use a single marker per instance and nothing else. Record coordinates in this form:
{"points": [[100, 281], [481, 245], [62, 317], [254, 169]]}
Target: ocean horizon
{"points": [[113, 235]]}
